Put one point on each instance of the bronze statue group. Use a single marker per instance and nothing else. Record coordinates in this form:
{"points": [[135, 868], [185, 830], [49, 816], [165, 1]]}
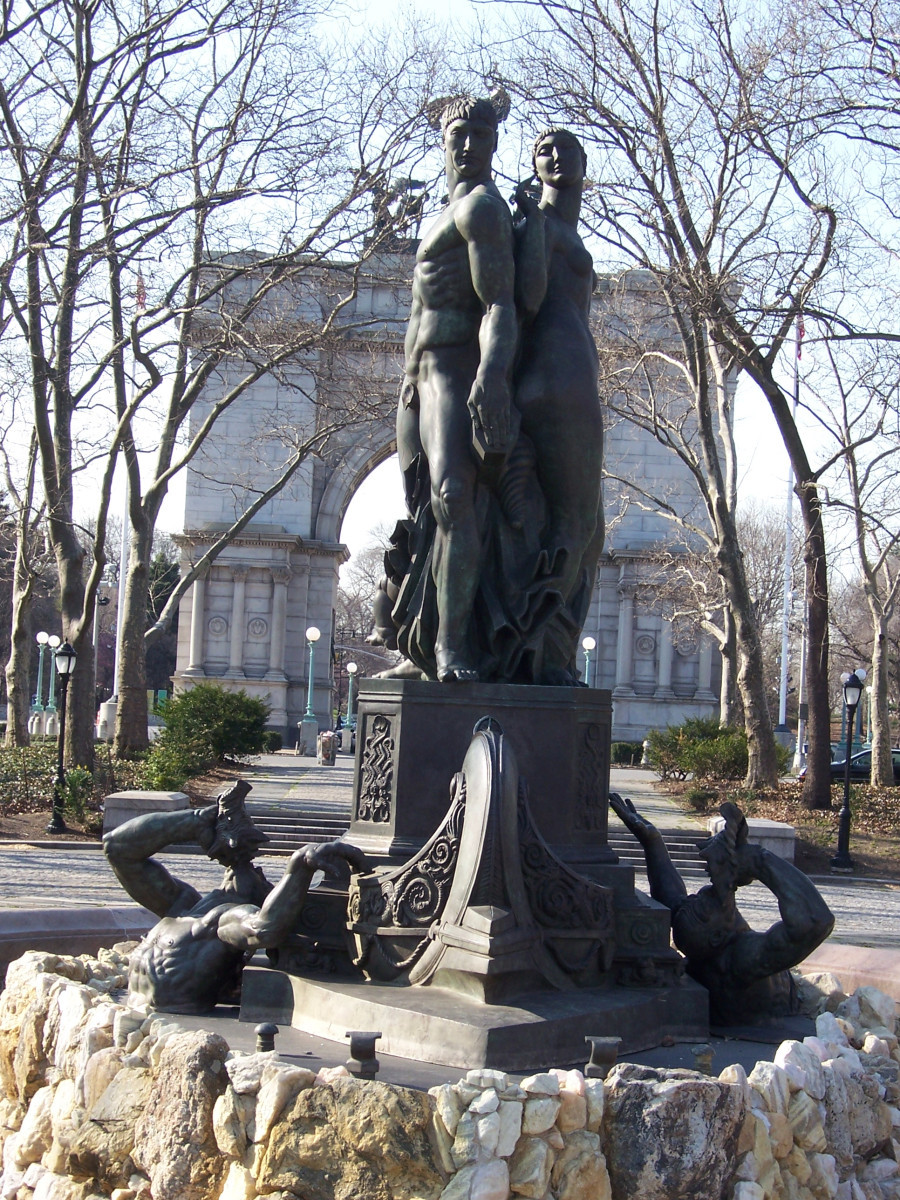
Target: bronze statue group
{"points": [[499, 426], [499, 434]]}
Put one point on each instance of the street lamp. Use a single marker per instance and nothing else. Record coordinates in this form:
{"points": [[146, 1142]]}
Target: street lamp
{"points": [[37, 703], [53, 642], [588, 644], [312, 636], [853, 689], [352, 668], [309, 727], [65, 665]]}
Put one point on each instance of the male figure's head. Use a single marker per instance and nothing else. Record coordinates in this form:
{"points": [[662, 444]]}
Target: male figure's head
{"points": [[469, 127], [237, 839], [722, 854]]}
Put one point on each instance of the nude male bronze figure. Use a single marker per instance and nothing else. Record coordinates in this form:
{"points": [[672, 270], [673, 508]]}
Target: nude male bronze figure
{"points": [[192, 959], [460, 345], [746, 972]]}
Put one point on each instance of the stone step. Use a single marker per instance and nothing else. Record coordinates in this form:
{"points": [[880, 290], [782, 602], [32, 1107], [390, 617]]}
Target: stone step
{"points": [[682, 848], [292, 823]]}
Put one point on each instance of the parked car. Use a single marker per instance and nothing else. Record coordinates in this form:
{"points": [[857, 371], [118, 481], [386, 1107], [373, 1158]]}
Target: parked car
{"points": [[860, 766]]}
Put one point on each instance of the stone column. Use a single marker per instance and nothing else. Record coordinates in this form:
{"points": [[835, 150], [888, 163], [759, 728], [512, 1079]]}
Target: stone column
{"points": [[664, 686], [236, 655], [198, 626], [625, 641], [704, 681], [281, 577]]}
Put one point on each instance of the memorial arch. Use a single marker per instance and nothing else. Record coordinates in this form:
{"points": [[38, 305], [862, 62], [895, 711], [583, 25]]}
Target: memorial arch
{"points": [[243, 625], [357, 465]]}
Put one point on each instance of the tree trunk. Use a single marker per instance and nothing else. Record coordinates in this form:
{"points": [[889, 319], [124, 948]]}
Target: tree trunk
{"points": [[131, 686], [727, 713], [882, 761], [762, 765], [75, 627], [18, 669], [817, 783]]}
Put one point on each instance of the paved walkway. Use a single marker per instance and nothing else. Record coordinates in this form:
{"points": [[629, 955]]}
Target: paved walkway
{"points": [[64, 875]]}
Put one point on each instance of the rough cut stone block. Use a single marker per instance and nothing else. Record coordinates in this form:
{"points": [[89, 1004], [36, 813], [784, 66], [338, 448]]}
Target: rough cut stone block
{"points": [[806, 1123], [579, 1172], [449, 1106], [174, 1140], [540, 1114], [772, 1085], [511, 1127], [353, 1138], [670, 1134], [803, 1067], [530, 1167]]}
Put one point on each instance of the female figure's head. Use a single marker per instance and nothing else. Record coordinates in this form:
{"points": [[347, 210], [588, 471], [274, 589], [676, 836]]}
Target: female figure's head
{"points": [[559, 159]]}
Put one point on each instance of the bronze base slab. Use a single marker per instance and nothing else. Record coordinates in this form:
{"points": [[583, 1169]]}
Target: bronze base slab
{"points": [[431, 1024]]}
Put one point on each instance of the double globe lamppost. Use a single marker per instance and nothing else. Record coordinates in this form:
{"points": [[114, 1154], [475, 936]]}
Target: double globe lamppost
{"points": [[45, 642], [37, 702], [352, 668], [52, 726]]}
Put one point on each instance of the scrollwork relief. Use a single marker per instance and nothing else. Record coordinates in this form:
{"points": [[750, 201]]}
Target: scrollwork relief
{"points": [[377, 772]]}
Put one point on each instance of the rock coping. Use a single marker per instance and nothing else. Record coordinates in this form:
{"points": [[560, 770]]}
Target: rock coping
{"points": [[102, 1100]]}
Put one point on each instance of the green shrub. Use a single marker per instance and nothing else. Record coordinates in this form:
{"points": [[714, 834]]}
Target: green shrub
{"points": [[205, 726], [272, 741], [701, 799], [783, 757], [117, 774], [626, 754], [701, 729], [78, 792], [666, 752], [722, 757], [169, 767], [26, 776], [699, 747]]}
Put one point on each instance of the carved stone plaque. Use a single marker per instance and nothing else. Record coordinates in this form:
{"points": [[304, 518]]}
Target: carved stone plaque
{"points": [[376, 772]]}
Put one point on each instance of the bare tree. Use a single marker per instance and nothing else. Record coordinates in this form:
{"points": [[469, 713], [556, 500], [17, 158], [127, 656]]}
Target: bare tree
{"points": [[176, 169], [359, 582], [29, 565], [852, 638], [859, 409], [689, 590], [707, 133], [662, 373]]}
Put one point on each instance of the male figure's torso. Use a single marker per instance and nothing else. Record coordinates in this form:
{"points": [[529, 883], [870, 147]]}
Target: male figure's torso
{"points": [[446, 309], [182, 965]]}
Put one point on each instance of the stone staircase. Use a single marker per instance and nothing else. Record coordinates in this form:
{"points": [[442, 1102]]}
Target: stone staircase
{"points": [[680, 843], [292, 823]]}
